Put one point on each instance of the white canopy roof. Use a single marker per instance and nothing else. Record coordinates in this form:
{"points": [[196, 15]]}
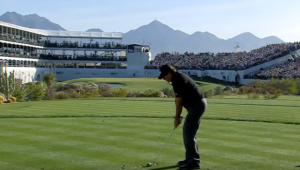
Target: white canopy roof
{"points": [[69, 34], [81, 34]]}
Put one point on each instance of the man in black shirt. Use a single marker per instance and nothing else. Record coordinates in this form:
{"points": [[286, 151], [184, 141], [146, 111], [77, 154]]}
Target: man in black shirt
{"points": [[189, 96]]}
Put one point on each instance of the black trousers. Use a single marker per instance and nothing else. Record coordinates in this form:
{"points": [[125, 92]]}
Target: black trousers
{"points": [[190, 128]]}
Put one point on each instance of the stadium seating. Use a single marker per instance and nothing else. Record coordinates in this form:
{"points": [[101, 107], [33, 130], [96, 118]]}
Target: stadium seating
{"points": [[223, 61], [288, 69]]}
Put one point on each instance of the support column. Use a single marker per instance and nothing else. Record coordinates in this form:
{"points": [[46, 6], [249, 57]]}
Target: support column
{"points": [[7, 33], [2, 31], [28, 37]]}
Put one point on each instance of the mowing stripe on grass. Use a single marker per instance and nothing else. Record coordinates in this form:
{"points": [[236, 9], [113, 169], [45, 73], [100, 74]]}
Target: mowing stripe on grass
{"points": [[106, 133], [147, 107], [91, 143]]}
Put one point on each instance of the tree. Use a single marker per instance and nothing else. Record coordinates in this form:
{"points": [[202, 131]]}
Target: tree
{"points": [[49, 78]]}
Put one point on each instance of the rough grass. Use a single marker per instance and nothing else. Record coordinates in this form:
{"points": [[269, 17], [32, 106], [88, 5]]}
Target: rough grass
{"points": [[127, 133]]}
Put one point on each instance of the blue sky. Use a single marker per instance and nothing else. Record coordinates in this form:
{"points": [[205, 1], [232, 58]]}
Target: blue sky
{"points": [[224, 18]]}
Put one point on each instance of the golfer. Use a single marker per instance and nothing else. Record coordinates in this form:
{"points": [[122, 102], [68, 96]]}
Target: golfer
{"points": [[189, 96]]}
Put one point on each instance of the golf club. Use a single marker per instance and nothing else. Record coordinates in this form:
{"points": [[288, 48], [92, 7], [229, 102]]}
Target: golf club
{"points": [[149, 164]]}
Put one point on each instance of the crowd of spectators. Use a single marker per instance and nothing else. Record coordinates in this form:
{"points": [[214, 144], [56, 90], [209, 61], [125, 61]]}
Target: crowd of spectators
{"points": [[17, 52], [180, 61], [20, 39], [63, 44], [90, 57], [288, 69], [66, 44], [223, 61]]}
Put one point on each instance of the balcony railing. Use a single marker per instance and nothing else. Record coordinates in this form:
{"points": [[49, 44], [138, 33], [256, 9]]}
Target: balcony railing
{"points": [[65, 44], [63, 57], [32, 56], [83, 57]]}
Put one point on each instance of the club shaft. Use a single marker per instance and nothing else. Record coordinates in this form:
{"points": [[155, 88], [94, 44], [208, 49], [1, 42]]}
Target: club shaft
{"points": [[164, 144]]}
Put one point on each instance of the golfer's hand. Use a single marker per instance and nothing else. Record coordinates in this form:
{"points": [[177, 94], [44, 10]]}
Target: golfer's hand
{"points": [[177, 122]]}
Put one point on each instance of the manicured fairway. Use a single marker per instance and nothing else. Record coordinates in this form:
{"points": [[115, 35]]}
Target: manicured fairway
{"points": [[140, 84], [127, 133]]}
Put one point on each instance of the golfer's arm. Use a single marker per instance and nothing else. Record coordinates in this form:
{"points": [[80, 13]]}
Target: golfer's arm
{"points": [[178, 103]]}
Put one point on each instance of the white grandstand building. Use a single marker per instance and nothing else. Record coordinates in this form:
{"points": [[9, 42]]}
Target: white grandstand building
{"points": [[69, 54], [74, 54]]}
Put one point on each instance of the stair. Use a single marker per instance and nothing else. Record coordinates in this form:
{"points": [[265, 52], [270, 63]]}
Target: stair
{"points": [[267, 64]]}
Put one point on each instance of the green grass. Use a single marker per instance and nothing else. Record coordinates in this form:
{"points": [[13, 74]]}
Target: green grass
{"points": [[106, 133], [140, 84], [284, 110]]}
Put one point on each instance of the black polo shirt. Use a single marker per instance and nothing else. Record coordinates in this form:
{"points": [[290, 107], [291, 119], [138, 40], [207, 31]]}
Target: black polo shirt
{"points": [[185, 87]]}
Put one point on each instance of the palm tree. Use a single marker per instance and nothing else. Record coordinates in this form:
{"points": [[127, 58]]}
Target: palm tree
{"points": [[49, 78]]}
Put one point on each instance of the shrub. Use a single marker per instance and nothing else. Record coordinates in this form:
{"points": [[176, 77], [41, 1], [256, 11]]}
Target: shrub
{"points": [[38, 83], [243, 90], [256, 95], [235, 91], [72, 93], [228, 92], [275, 95], [13, 99], [269, 89], [267, 95], [287, 86], [106, 93], [218, 90], [35, 92], [253, 95], [254, 90], [208, 93], [74, 86], [119, 92], [49, 94], [9, 101], [61, 95], [133, 93], [102, 90], [257, 84], [60, 87], [168, 91], [152, 93], [87, 92], [1, 99], [19, 93], [297, 82]]}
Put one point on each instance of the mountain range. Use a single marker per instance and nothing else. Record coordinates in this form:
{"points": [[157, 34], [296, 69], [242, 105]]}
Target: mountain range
{"points": [[160, 36]]}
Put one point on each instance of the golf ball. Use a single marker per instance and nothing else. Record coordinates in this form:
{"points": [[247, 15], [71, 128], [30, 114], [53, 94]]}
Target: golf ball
{"points": [[149, 164]]}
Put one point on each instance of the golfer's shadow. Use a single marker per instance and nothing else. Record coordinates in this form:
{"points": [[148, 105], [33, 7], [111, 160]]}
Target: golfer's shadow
{"points": [[297, 166], [166, 167]]}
